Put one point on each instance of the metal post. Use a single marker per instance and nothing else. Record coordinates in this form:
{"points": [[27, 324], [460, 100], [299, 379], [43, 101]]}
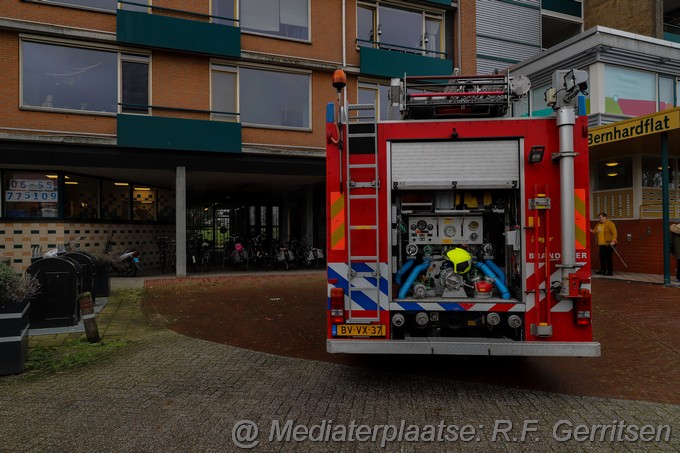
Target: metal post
{"points": [[181, 221], [665, 209], [566, 118]]}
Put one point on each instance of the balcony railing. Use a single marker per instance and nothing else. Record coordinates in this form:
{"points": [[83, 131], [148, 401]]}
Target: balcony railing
{"points": [[194, 130], [391, 60], [178, 30], [671, 32]]}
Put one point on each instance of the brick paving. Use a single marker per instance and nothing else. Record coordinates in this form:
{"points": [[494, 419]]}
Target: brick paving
{"points": [[172, 392]]}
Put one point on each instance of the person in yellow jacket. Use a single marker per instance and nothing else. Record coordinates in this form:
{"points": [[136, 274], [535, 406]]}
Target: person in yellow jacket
{"points": [[606, 239]]}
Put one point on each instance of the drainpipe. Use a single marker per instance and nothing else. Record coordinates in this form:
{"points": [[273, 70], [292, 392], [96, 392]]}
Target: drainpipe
{"points": [[344, 35]]}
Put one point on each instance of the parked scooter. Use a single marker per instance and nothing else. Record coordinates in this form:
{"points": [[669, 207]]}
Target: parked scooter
{"points": [[125, 264]]}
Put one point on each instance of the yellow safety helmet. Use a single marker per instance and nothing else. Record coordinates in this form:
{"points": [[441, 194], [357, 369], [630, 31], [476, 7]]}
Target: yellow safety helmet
{"points": [[461, 260]]}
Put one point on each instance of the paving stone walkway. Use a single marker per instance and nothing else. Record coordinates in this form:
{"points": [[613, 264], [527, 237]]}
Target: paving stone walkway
{"points": [[170, 392]]}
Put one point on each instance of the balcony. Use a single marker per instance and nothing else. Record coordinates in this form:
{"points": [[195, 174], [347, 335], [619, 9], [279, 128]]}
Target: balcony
{"points": [[671, 32], [568, 7], [396, 61], [166, 28], [197, 133]]}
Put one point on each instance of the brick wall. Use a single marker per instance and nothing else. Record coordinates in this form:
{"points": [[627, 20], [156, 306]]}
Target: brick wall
{"points": [[641, 17], [18, 238], [643, 253]]}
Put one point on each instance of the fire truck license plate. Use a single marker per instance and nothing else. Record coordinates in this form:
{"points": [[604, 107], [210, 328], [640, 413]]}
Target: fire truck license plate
{"points": [[361, 330]]}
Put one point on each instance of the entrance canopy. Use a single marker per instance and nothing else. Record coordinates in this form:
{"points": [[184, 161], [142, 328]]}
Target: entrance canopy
{"points": [[651, 137]]}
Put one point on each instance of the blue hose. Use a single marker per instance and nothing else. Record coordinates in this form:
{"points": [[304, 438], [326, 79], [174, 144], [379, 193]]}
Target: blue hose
{"points": [[412, 277], [495, 269], [505, 294], [400, 273]]}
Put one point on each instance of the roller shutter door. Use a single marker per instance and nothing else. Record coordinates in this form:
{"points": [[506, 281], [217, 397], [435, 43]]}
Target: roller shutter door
{"points": [[442, 165]]}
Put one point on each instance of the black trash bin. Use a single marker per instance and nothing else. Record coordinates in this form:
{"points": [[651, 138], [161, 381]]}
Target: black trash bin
{"points": [[89, 271], [60, 284]]}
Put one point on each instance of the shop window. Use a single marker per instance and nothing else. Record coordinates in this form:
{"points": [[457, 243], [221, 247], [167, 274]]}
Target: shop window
{"points": [[31, 194], [614, 174], [666, 93], [629, 92], [275, 98], [81, 197], [143, 203], [393, 27], [538, 105], [115, 200], [58, 77], [223, 93], [651, 172], [166, 205]]}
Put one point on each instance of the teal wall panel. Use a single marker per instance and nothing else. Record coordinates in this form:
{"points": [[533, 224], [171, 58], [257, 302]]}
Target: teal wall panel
{"points": [[387, 63], [139, 131], [152, 30]]}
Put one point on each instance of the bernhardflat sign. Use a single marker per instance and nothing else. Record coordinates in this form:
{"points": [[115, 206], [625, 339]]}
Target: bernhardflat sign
{"points": [[635, 127]]}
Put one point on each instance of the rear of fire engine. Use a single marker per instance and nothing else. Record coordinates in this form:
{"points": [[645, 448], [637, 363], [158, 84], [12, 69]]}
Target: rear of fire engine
{"points": [[454, 229]]}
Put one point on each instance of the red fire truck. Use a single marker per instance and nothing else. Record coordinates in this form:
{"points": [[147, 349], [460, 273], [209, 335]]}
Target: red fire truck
{"points": [[454, 229]]}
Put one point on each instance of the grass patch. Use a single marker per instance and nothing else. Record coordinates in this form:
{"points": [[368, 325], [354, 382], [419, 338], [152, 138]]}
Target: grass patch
{"points": [[73, 354]]}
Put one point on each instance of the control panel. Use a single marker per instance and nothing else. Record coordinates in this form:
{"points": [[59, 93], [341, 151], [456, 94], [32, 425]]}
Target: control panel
{"points": [[438, 230]]}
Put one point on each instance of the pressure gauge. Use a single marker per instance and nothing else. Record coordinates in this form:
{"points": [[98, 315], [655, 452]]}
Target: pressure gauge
{"points": [[474, 236], [411, 249], [422, 224], [413, 226], [450, 231], [473, 225], [430, 226]]}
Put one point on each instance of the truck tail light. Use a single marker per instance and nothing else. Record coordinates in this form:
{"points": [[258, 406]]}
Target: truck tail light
{"points": [[337, 305], [582, 310]]}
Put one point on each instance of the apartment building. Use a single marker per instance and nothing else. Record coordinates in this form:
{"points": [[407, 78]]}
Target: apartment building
{"points": [[130, 120]]}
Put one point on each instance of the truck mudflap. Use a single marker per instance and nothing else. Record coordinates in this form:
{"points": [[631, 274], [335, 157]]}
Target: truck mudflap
{"points": [[465, 346]]}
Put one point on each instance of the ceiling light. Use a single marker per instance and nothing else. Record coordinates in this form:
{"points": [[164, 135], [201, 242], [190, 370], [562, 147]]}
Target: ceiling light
{"points": [[612, 174], [71, 182], [142, 188], [120, 184], [612, 164], [52, 176]]}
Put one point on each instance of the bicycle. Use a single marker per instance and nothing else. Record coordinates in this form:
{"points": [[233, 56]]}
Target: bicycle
{"points": [[166, 248], [205, 255]]}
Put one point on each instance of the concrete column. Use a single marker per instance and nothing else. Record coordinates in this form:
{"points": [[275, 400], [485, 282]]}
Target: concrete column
{"points": [[181, 220]]}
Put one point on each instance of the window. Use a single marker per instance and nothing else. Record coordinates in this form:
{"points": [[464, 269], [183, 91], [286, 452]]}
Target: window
{"points": [[666, 93], [629, 92], [282, 18], [134, 84], [31, 194], [375, 94], [273, 98], [115, 200], [223, 10], [106, 5], [224, 86], [143, 203], [166, 205], [538, 105], [81, 197], [80, 79], [406, 30], [614, 174], [651, 172]]}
